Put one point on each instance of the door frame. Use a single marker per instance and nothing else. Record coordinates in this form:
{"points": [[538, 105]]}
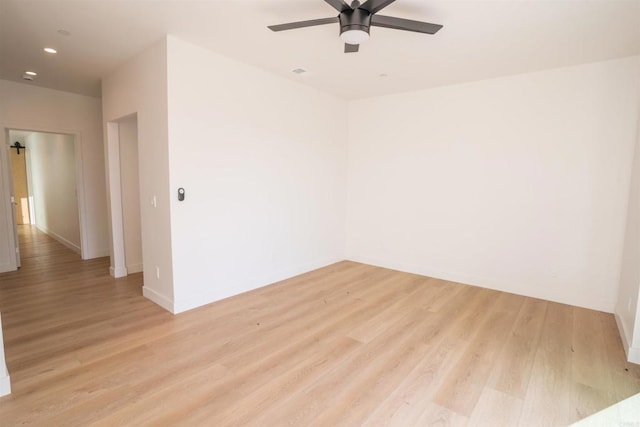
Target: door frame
{"points": [[11, 214], [5, 191], [118, 267]]}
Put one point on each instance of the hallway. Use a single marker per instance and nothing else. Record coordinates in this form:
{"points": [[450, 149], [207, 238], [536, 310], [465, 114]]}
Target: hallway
{"points": [[57, 312], [39, 252]]}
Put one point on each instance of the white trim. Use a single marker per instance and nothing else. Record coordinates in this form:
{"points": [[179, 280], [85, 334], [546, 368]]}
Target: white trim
{"points": [[623, 333], [5, 203], [5, 381], [118, 272], [633, 353], [478, 281], [69, 244], [161, 300], [134, 268], [80, 191], [7, 266], [195, 301], [114, 196]]}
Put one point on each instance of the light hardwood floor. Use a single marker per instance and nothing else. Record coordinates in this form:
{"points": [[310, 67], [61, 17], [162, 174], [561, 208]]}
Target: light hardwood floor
{"points": [[348, 344]]}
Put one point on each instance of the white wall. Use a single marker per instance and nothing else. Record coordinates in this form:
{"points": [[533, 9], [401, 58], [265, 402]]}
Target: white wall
{"points": [[130, 188], [140, 86], [627, 307], [53, 174], [263, 163], [23, 106], [518, 183]]}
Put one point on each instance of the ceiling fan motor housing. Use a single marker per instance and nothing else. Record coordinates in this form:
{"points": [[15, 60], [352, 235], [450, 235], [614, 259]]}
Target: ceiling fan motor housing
{"points": [[355, 19]]}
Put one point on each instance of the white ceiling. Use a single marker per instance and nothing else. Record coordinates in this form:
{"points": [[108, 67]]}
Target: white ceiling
{"points": [[480, 39]]}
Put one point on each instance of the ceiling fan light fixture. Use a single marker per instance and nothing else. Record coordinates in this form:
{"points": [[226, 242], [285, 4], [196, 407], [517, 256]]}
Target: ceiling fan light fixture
{"points": [[354, 36], [356, 19]]}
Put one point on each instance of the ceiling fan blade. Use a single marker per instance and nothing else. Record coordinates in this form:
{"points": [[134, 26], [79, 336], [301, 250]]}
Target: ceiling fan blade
{"points": [[373, 6], [350, 48], [338, 5], [302, 24], [404, 24]]}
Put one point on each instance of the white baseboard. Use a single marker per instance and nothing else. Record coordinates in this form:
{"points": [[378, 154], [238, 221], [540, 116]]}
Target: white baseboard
{"points": [[69, 244], [633, 353], [7, 266], [117, 272], [134, 268], [159, 299], [622, 332], [482, 282], [5, 383], [196, 301]]}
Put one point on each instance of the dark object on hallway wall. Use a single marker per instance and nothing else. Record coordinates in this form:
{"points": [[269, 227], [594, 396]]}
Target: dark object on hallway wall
{"points": [[17, 146]]}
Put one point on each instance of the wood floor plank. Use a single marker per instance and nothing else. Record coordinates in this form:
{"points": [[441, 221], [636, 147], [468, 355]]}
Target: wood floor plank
{"points": [[463, 385], [406, 403], [549, 396], [348, 344], [512, 369], [435, 415], [589, 355], [496, 409]]}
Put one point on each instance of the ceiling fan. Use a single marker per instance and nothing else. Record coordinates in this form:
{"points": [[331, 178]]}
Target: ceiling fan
{"points": [[355, 21]]}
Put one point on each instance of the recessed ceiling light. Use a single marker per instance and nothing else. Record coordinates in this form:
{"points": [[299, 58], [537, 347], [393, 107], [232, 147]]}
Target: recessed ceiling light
{"points": [[50, 50], [298, 71], [31, 73], [64, 32], [384, 75]]}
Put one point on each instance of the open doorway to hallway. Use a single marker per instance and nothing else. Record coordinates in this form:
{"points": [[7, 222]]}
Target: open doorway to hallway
{"points": [[130, 193], [44, 188], [124, 196], [23, 200]]}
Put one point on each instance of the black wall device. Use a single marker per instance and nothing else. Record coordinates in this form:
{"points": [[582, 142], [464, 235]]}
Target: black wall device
{"points": [[181, 194]]}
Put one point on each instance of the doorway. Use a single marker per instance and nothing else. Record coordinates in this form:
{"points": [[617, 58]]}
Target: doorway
{"points": [[21, 197], [44, 186], [130, 190], [124, 194]]}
